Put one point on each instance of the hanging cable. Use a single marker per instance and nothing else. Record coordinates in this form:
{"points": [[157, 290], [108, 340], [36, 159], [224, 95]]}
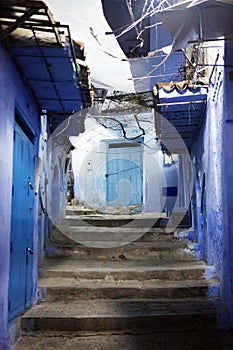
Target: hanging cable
{"points": [[148, 75], [191, 105]]}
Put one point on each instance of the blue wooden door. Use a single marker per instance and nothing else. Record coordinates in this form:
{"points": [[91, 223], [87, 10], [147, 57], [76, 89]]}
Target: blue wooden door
{"points": [[21, 245], [125, 174]]}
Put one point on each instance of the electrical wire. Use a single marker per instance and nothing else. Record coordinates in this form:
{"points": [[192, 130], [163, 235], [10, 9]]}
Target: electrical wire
{"points": [[133, 25], [148, 75], [106, 135], [149, 27], [151, 10]]}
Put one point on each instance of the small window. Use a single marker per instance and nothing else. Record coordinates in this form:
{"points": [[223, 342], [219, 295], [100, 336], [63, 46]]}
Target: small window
{"points": [[169, 159], [171, 191], [29, 132]]}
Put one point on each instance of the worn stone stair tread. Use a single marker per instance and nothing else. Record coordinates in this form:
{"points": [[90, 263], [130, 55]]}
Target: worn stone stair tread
{"points": [[123, 264], [126, 269], [126, 229], [136, 234], [92, 228], [140, 245], [87, 236], [62, 282], [125, 316], [118, 308], [133, 221], [136, 249], [168, 250], [70, 225], [80, 210], [110, 217], [126, 246], [114, 237], [192, 340], [150, 236]]}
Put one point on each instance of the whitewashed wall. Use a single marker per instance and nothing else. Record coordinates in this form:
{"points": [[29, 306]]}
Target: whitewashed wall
{"points": [[89, 166]]}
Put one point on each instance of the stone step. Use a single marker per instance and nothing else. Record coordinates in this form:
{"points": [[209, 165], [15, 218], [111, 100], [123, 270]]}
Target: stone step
{"points": [[99, 237], [158, 220], [126, 270], [168, 250], [68, 289], [162, 340], [119, 316], [131, 221], [80, 211], [67, 234]]}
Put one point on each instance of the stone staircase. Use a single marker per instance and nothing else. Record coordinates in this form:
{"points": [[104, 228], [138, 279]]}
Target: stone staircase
{"points": [[148, 294]]}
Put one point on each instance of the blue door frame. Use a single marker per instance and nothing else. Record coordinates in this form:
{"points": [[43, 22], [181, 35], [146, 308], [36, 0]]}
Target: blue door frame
{"points": [[124, 174], [21, 245]]}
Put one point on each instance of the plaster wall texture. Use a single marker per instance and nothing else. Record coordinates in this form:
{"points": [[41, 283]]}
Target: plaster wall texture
{"points": [[89, 164], [13, 93], [227, 176], [212, 155], [207, 155], [56, 178]]}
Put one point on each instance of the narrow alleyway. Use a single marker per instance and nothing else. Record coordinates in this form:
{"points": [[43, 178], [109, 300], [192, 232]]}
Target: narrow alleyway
{"points": [[149, 294], [128, 104]]}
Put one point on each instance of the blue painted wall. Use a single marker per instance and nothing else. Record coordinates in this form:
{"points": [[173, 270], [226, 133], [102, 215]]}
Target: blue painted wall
{"points": [[143, 67], [227, 176], [12, 93], [212, 158], [148, 71]]}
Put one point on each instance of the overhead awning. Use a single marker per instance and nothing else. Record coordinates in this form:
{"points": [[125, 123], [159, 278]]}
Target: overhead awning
{"points": [[45, 56], [109, 67], [199, 20], [49, 71], [146, 75], [181, 107]]}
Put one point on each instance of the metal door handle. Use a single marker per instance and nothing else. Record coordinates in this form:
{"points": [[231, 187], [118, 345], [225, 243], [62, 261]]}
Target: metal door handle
{"points": [[30, 185], [30, 251]]}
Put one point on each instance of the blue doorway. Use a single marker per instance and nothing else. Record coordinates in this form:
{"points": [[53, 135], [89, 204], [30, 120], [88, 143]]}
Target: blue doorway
{"points": [[124, 174], [21, 245]]}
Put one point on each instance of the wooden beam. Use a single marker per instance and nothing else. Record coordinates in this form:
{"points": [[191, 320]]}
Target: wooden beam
{"points": [[18, 23], [23, 3]]}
